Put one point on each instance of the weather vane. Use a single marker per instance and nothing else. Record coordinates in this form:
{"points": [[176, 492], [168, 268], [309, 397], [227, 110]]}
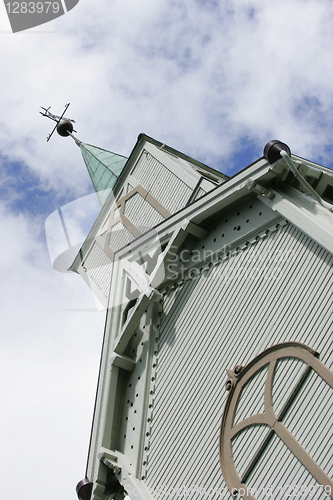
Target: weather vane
{"points": [[63, 125]]}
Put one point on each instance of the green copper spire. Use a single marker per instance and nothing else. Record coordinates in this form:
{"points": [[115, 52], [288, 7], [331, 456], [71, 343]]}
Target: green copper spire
{"points": [[104, 168]]}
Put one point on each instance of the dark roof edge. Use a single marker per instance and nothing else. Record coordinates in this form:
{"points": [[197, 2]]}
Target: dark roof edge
{"points": [[175, 152]]}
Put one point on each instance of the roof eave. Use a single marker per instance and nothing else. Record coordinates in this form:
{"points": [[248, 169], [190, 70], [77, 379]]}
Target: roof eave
{"points": [[185, 157], [235, 187], [231, 190]]}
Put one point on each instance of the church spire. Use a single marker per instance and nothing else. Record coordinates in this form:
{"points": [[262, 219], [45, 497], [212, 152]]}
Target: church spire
{"points": [[104, 167]]}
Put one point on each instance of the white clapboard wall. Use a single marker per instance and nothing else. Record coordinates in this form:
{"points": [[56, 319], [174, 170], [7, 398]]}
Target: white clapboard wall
{"points": [[275, 289], [252, 269], [257, 291]]}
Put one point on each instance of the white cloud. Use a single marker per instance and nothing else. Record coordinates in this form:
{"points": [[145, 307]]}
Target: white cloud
{"points": [[182, 72], [48, 366], [200, 76]]}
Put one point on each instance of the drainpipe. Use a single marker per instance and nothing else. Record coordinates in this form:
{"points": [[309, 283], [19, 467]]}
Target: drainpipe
{"points": [[275, 149], [304, 183]]}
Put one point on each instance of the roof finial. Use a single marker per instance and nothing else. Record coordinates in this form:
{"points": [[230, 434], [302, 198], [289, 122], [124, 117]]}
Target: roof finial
{"points": [[77, 141], [104, 167], [63, 125]]}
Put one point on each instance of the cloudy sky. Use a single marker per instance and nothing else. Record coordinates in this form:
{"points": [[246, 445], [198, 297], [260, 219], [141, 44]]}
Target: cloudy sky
{"points": [[215, 79]]}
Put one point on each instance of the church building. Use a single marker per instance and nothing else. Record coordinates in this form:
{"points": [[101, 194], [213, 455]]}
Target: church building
{"points": [[215, 376]]}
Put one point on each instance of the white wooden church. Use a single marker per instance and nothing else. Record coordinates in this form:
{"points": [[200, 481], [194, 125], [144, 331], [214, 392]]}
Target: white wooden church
{"points": [[215, 379]]}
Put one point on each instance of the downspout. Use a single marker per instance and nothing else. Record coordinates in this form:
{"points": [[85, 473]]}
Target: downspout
{"points": [[276, 149], [304, 183]]}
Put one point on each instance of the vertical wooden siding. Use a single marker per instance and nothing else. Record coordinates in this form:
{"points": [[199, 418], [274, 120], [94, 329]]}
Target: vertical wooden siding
{"points": [[161, 183], [99, 268], [224, 318]]}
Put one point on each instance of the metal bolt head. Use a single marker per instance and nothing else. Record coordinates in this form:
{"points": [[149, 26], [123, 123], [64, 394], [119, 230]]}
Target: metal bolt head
{"points": [[228, 384], [238, 369]]}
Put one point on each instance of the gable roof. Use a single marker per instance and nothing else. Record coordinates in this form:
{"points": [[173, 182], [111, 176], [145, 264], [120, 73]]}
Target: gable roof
{"points": [[228, 189]]}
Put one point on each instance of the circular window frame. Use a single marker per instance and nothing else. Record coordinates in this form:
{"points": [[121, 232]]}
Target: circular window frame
{"points": [[238, 378]]}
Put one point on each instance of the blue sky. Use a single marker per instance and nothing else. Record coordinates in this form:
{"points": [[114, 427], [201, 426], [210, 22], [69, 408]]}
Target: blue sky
{"points": [[216, 80]]}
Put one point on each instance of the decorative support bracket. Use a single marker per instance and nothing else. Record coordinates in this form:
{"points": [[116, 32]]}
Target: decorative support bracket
{"points": [[131, 323], [136, 489], [146, 284], [304, 213], [173, 246], [254, 186], [122, 361]]}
